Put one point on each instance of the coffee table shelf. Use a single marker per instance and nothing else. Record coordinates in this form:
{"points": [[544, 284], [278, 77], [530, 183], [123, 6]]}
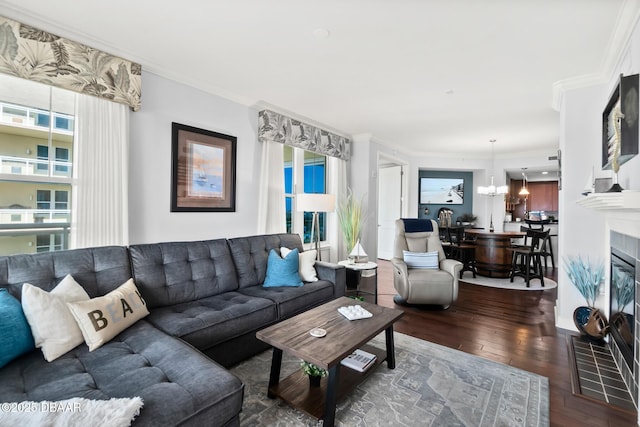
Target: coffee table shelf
{"points": [[296, 391]]}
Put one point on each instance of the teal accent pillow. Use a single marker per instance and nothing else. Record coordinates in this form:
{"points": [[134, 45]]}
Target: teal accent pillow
{"points": [[282, 272], [15, 333]]}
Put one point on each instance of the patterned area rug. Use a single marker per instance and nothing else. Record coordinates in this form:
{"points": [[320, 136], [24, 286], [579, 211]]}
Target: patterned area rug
{"points": [[432, 385], [518, 283]]}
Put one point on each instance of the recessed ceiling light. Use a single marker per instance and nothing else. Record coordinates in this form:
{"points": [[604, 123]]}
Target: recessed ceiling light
{"points": [[492, 140], [321, 33], [545, 173]]}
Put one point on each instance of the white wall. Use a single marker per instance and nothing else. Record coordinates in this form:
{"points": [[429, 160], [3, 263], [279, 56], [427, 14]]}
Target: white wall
{"points": [[150, 217], [583, 231]]}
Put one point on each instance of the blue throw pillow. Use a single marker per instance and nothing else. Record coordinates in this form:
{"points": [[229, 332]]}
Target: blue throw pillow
{"points": [[15, 333], [282, 272]]}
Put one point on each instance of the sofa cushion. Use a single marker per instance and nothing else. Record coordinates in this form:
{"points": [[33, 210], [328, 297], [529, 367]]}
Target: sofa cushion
{"points": [[54, 328], [282, 271], [177, 384], [250, 255], [208, 321], [292, 300], [15, 333], [178, 272], [102, 318]]}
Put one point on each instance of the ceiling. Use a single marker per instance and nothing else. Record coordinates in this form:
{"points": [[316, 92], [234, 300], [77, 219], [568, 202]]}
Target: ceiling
{"points": [[421, 76]]}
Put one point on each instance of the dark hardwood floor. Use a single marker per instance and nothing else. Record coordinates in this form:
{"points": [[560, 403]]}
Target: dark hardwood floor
{"points": [[512, 327]]}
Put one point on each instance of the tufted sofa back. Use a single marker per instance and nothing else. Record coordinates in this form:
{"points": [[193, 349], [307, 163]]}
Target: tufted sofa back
{"points": [[250, 254], [98, 270], [176, 272]]}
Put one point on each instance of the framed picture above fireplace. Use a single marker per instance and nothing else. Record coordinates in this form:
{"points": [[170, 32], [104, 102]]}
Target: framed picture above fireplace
{"points": [[625, 97]]}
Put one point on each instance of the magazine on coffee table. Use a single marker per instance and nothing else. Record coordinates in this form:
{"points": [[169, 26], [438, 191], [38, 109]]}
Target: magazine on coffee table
{"points": [[359, 360]]}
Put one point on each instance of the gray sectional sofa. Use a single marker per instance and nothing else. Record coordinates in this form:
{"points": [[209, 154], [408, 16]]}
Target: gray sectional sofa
{"points": [[206, 301]]}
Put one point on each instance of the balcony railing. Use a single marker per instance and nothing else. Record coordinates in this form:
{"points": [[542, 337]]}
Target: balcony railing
{"points": [[28, 117], [27, 166], [35, 217]]}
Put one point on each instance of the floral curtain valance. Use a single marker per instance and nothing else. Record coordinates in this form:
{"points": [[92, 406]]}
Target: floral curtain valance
{"points": [[40, 56], [276, 127]]}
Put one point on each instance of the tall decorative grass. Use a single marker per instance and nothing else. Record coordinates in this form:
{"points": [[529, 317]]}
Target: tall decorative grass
{"points": [[585, 277], [351, 217]]}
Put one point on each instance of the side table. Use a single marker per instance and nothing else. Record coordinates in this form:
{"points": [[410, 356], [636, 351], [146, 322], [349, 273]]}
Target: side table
{"points": [[355, 272]]}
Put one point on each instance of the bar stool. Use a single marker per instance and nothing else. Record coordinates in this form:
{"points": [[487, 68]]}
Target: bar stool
{"points": [[526, 262], [463, 250], [548, 251]]}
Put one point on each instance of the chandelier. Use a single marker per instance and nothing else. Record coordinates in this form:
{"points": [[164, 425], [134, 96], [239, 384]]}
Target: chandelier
{"points": [[491, 190]]}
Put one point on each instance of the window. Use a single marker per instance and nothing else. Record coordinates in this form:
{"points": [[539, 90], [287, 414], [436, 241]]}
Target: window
{"points": [[37, 131], [306, 171]]}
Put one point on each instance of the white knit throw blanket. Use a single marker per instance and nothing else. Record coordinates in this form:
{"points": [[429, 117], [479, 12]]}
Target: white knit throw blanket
{"points": [[71, 412]]}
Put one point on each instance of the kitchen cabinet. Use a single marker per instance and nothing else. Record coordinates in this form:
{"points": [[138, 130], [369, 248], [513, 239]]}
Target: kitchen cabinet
{"points": [[543, 196]]}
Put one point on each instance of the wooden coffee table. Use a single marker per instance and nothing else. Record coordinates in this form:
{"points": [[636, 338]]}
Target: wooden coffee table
{"points": [[343, 337]]}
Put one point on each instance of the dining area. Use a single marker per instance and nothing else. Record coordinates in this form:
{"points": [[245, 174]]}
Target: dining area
{"points": [[526, 252]]}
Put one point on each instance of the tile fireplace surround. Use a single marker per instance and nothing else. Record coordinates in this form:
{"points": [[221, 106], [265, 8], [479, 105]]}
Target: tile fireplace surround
{"points": [[630, 246], [621, 212]]}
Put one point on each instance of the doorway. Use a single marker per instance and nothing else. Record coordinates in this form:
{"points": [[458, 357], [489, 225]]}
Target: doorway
{"points": [[391, 188]]}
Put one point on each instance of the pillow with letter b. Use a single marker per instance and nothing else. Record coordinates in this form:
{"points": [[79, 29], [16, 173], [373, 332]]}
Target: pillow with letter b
{"points": [[100, 319]]}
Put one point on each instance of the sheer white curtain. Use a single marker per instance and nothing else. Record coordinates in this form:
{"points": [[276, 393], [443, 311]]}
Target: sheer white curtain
{"points": [[101, 163], [271, 204], [336, 184]]}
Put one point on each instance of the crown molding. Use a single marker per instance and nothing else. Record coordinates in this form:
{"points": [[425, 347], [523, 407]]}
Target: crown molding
{"points": [[617, 47]]}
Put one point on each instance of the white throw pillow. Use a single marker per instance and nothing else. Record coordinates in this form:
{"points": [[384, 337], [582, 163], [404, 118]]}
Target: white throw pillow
{"points": [[306, 262], [53, 327], [421, 259], [100, 319]]}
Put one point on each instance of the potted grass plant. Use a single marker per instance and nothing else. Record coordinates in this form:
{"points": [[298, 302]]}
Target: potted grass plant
{"points": [[351, 218], [586, 278], [314, 372]]}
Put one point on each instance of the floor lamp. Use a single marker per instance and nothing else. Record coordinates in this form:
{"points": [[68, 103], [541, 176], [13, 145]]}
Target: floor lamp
{"points": [[315, 202]]}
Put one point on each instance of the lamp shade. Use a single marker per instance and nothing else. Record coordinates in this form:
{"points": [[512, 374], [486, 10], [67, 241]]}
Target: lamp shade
{"points": [[315, 202]]}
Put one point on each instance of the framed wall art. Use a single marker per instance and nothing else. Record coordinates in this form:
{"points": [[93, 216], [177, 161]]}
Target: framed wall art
{"points": [[625, 100], [203, 173]]}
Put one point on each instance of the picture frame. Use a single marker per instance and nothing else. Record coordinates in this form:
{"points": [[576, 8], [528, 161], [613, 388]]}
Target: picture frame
{"points": [[624, 96], [441, 191], [203, 170]]}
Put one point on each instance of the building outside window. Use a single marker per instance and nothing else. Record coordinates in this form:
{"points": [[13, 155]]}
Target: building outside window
{"points": [[304, 171], [36, 147]]}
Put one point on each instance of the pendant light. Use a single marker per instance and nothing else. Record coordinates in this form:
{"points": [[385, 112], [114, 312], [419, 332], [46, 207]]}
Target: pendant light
{"points": [[491, 190], [524, 191]]}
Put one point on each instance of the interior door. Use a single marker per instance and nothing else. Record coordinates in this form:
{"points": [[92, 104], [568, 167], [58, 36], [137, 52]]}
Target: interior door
{"points": [[389, 208]]}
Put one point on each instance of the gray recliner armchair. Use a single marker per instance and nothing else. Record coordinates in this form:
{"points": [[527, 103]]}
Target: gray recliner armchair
{"points": [[434, 286]]}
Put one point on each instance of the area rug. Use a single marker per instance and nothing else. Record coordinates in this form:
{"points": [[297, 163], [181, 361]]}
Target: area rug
{"points": [[518, 283], [432, 385]]}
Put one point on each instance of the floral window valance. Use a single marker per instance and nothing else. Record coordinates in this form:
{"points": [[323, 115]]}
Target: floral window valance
{"points": [[40, 56], [283, 129]]}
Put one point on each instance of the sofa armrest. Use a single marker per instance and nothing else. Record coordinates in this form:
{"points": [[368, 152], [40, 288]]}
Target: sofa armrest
{"points": [[451, 266], [333, 273], [400, 277]]}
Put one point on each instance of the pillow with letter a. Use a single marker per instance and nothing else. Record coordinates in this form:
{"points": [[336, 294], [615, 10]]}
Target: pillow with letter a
{"points": [[100, 319]]}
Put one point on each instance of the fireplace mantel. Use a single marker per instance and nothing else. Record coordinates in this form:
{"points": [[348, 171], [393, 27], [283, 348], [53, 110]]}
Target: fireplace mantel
{"points": [[627, 201]]}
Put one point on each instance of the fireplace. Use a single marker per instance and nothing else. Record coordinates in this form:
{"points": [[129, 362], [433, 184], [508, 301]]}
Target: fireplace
{"points": [[621, 303], [624, 279]]}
